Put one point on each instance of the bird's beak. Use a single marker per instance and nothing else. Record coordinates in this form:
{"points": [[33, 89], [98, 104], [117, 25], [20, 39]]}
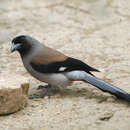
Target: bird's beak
{"points": [[15, 46]]}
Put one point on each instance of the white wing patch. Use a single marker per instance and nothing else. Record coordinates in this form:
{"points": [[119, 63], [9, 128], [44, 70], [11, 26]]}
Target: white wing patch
{"points": [[62, 68]]}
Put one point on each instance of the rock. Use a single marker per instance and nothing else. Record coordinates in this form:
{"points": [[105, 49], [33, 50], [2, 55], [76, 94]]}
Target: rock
{"points": [[13, 93]]}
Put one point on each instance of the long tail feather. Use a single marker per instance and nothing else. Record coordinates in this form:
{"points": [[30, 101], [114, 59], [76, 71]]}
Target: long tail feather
{"points": [[107, 87]]}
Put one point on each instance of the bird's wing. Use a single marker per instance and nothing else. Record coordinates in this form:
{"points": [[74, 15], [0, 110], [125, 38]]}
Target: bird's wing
{"points": [[47, 56], [67, 65]]}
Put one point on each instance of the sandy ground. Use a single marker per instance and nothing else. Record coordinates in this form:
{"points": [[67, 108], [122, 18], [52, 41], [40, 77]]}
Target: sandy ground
{"points": [[95, 31]]}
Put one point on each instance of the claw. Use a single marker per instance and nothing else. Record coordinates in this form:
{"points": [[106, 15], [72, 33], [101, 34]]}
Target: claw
{"points": [[41, 95], [43, 86]]}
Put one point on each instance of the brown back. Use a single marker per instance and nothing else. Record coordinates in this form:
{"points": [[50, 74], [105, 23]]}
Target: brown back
{"points": [[48, 55]]}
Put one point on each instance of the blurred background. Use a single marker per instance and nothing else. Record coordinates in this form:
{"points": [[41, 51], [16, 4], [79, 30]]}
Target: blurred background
{"points": [[94, 31]]}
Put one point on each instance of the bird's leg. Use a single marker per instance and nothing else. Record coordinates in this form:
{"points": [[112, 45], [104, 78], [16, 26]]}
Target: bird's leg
{"points": [[47, 92]]}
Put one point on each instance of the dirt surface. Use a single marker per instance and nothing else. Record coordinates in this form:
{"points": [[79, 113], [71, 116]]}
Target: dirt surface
{"points": [[95, 31]]}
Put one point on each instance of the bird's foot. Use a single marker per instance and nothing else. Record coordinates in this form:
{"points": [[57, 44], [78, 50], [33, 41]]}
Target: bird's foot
{"points": [[43, 86], [47, 92]]}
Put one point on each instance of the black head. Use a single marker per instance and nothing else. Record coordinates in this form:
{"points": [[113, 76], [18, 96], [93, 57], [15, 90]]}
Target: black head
{"points": [[22, 44]]}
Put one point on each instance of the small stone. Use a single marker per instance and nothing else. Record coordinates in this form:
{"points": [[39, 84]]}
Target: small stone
{"points": [[106, 116]]}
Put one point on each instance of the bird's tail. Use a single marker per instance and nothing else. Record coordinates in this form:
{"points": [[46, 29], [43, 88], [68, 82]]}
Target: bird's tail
{"points": [[107, 87]]}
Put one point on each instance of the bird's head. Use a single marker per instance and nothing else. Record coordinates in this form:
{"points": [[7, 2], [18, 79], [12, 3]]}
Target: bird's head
{"points": [[21, 43]]}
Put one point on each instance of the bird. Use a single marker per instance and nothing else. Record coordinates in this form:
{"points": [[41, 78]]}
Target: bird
{"points": [[56, 69]]}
